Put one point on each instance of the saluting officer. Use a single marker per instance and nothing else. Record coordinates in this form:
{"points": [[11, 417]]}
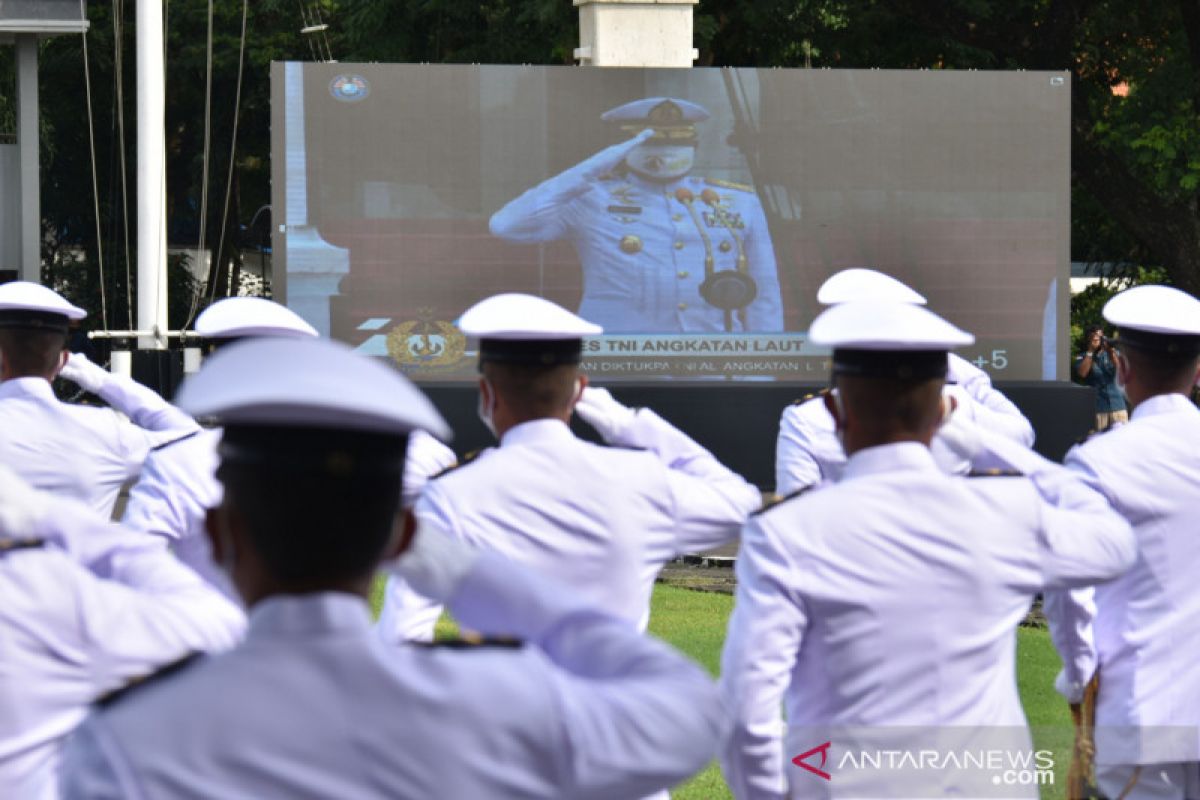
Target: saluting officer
{"points": [[85, 607], [70, 450], [808, 452], [312, 704], [662, 250], [605, 519], [177, 486], [1140, 635], [891, 598]]}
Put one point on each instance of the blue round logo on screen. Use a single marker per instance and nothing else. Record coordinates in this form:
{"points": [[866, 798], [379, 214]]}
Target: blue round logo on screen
{"points": [[349, 88]]}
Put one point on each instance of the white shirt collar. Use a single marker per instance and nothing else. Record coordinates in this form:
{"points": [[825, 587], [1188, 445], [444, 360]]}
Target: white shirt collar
{"points": [[36, 387], [537, 430], [309, 614], [1162, 404], [899, 457]]}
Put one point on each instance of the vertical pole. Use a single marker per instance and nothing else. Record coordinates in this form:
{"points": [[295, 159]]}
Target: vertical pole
{"points": [[27, 136], [151, 177], [635, 33]]}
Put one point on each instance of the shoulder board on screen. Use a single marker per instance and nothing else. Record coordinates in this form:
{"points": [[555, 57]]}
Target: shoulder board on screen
{"points": [[174, 668], [9, 545], [741, 187], [777, 500], [810, 396], [170, 442], [995, 473], [473, 642]]}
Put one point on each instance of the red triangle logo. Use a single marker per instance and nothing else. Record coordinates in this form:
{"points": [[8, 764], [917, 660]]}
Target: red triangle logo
{"points": [[823, 749]]}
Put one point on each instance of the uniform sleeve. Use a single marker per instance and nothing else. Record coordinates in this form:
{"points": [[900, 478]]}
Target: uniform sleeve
{"points": [[765, 635], [426, 457], [407, 616], [634, 715], [144, 407], [1070, 614], [141, 608], [999, 413], [156, 504], [765, 314], [710, 502], [795, 466], [93, 767], [542, 214]]}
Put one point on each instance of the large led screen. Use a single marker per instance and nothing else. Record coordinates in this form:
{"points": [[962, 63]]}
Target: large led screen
{"points": [[692, 213]]}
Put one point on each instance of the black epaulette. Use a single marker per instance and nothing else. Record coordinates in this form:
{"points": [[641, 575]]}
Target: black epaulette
{"points": [[473, 641], [462, 462], [995, 473], [810, 396], [9, 545], [173, 668], [767, 506], [167, 444]]}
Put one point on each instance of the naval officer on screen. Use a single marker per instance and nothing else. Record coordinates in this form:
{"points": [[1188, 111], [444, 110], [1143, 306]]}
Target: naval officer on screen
{"points": [[663, 251]]}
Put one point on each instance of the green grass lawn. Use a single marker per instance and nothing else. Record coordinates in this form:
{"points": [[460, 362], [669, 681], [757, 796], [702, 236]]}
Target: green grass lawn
{"points": [[695, 623]]}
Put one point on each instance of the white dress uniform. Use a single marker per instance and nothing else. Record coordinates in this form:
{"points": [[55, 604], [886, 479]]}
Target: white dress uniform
{"points": [[1143, 630], [313, 705], [643, 244], [891, 599], [81, 615], [807, 451], [72, 450], [604, 519], [178, 484]]}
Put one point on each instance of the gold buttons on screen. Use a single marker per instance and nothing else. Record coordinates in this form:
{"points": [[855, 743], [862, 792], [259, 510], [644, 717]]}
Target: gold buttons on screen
{"points": [[683, 273], [725, 246], [679, 245], [683, 306], [631, 244]]}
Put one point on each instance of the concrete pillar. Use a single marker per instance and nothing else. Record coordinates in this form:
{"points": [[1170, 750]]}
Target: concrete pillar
{"points": [[635, 33], [27, 140]]}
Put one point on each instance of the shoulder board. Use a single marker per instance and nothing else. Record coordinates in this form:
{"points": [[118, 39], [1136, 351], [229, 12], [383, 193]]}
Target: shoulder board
{"points": [[810, 396], [165, 445], [741, 187], [473, 641], [776, 499], [9, 545], [995, 473], [173, 668], [462, 462]]}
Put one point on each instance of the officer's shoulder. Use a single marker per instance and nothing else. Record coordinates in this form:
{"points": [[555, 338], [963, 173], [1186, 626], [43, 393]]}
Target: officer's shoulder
{"points": [[473, 642], [185, 437], [810, 396], [128, 690], [462, 462], [995, 473], [740, 187], [787, 498], [12, 545]]}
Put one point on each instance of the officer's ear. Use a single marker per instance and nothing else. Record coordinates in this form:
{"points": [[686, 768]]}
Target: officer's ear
{"points": [[402, 535], [833, 404], [581, 382], [1124, 368]]}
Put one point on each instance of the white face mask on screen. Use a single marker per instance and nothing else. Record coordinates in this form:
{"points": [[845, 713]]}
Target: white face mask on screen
{"points": [[661, 162]]}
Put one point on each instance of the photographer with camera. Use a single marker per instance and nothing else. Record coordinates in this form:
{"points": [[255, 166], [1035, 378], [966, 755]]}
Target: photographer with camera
{"points": [[1097, 367]]}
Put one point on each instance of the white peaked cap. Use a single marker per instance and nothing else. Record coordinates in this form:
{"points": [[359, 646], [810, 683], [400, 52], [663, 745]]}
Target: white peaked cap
{"points": [[26, 296], [236, 317], [874, 325], [860, 283], [1158, 309], [307, 382], [518, 317]]}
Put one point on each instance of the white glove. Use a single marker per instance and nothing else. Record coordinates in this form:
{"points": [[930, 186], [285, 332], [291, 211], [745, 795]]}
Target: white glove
{"points": [[1072, 690], [22, 508], [601, 410], [80, 370], [607, 159], [435, 562]]}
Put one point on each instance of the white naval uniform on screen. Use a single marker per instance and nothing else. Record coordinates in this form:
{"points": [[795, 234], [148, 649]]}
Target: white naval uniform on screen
{"points": [[314, 705], [643, 253], [75, 626], [808, 453], [79, 451], [892, 598], [1145, 634], [603, 519]]}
